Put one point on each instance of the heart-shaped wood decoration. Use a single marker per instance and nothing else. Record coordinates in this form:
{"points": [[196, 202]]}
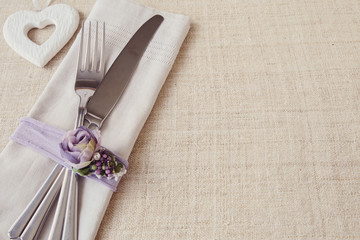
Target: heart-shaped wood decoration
{"points": [[16, 27]]}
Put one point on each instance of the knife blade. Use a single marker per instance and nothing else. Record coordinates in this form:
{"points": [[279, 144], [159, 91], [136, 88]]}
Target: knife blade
{"points": [[119, 75]]}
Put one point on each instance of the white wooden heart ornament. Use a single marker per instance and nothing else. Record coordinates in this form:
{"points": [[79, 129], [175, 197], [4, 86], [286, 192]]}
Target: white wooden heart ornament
{"points": [[16, 27]]}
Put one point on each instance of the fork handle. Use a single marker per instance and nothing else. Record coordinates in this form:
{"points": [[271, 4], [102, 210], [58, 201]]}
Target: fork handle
{"points": [[80, 116], [19, 225], [70, 221], [84, 98], [56, 227], [34, 226]]}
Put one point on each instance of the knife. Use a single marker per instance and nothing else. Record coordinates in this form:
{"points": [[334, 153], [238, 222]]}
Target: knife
{"points": [[109, 92], [107, 95]]}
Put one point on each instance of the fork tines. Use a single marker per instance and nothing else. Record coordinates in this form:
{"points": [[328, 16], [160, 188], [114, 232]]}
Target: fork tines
{"points": [[90, 34]]}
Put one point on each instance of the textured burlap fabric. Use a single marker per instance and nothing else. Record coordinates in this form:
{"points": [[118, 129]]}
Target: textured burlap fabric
{"points": [[255, 134]]}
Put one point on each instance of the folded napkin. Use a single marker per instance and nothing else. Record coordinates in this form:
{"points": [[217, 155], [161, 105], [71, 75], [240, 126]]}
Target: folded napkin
{"points": [[24, 170]]}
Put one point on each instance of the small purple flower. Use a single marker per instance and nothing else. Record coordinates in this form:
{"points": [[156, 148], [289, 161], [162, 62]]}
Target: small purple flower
{"points": [[78, 146]]}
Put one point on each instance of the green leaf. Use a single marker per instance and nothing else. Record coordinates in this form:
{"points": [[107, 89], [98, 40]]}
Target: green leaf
{"points": [[118, 168], [83, 171]]}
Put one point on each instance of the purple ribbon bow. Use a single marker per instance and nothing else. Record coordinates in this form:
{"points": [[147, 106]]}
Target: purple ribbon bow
{"points": [[45, 139]]}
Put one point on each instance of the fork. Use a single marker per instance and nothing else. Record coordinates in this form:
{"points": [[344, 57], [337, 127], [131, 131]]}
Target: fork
{"points": [[89, 74]]}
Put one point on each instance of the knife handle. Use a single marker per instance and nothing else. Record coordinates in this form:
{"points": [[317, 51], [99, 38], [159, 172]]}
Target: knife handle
{"points": [[70, 221], [56, 227], [34, 226], [17, 228], [92, 121]]}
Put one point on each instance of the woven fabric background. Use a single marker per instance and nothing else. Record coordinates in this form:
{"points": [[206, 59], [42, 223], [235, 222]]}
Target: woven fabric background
{"points": [[255, 134]]}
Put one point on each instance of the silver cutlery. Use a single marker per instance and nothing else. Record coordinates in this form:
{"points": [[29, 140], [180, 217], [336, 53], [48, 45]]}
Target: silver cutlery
{"points": [[87, 81], [19, 225], [33, 228], [107, 95], [111, 88], [97, 109], [90, 72]]}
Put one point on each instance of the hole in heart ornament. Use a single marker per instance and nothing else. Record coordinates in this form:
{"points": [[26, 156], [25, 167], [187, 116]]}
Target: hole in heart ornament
{"points": [[39, 36], [17, 26]]}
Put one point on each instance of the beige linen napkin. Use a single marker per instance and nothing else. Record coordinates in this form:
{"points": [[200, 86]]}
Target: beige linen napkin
{"points": [[23, 170]]}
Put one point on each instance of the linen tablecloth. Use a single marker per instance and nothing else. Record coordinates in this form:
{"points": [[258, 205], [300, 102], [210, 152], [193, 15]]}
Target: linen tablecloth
{"points": [[255, 133]]}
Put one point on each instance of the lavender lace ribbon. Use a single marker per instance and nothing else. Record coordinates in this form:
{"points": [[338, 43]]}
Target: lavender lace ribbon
{"points": [[45, 139]]}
